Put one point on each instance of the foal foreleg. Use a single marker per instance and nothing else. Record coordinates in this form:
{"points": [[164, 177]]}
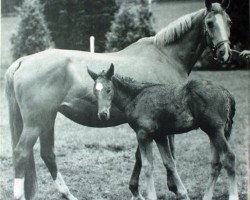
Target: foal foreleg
{"points": [[169, 163], [145, 145], [49, 158], [134, 180]]}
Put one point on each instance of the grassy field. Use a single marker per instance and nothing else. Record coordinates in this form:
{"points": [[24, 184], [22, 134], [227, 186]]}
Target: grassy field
{"points": [[97, 163]]}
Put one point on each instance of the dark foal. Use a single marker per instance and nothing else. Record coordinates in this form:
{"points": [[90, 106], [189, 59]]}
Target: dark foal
{"points": [[157, 110]]}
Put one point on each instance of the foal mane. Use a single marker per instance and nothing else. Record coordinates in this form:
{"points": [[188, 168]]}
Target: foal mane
{"points": [[130, 85], [176, 29]]}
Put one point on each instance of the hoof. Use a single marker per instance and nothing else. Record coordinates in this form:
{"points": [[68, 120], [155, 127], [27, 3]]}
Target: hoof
{"points": [[70, 197], [183, 197], [139, 197]]}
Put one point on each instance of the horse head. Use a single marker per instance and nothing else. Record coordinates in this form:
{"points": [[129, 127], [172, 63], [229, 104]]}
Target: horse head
{"points": [[217, 30], [104, 91]]}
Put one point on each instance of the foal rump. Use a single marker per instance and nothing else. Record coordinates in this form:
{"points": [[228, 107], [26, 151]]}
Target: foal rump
{"points": [[209, 97]]}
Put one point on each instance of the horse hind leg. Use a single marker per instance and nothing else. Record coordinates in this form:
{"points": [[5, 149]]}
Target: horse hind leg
{"points": [[24, 164], [49, 158]]}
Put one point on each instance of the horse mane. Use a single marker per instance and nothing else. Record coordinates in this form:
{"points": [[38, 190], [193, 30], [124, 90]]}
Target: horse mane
{"points": [[130, 85], [176, 29]]}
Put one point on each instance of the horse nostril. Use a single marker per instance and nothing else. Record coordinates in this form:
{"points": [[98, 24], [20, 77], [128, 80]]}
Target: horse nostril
{"points": [[222, 52]]}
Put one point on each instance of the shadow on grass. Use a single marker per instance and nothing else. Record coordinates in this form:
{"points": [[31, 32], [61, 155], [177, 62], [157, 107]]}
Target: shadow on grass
{"points": [[109, 147]]}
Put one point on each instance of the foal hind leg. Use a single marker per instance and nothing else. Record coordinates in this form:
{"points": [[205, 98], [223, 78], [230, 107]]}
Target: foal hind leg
{"points": [[169, 163], [134, 180], [227, 158], [21, 155], [215, 171], [49, 158]]}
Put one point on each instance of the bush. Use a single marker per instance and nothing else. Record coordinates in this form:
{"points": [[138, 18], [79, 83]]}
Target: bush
{"points": [[72, 22], [32, 35], [132, 22]]}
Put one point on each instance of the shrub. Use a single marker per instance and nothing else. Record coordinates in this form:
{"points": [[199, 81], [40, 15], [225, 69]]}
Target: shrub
{"points": [[72, 22], [32, 35], [132, 22]]}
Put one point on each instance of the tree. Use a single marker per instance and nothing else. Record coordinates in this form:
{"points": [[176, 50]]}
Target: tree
{"points": [[32, 35], [73, 22], [132, 22]]}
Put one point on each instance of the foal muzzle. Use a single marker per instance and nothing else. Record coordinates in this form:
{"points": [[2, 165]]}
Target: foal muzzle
{"points": [[104, 115]]}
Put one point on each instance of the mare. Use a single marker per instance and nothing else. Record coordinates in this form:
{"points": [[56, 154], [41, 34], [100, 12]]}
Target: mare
{"points": [[39, 86], [155, 111]]}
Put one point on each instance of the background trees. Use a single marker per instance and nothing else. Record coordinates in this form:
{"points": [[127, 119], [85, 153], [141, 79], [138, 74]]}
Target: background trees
{"points": [[132, 22], [32, 35]]}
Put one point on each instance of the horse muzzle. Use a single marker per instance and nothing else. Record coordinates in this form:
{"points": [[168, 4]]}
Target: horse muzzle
{"points": [[224, 54], [104, 115]]}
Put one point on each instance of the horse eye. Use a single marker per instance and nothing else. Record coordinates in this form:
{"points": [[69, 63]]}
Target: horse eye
{"points": [[210, 24]]}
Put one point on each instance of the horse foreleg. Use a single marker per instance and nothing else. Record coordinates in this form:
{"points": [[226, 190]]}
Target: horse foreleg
{"points": [[145, 145], [49, 158], [169, 163], [134, 180], [22, 161]]}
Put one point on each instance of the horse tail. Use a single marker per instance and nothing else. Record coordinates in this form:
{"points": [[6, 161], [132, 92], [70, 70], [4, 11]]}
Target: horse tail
{"points": [[230, 116], [16, 127]]}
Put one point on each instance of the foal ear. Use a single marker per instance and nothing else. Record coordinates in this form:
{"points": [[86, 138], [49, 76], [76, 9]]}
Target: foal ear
{"points": [[92, 74], [110, 71], [208, 4], [225, 4]]}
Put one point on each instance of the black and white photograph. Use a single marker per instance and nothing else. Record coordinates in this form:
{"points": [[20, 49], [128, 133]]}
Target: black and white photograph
{"points": [[125, 100]]}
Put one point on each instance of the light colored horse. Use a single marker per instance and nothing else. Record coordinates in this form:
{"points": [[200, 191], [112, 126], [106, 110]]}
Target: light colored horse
{"points": [[40, 85]]}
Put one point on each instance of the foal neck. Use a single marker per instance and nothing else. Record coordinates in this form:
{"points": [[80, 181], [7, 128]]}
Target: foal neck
{"points": [[126, 89]]}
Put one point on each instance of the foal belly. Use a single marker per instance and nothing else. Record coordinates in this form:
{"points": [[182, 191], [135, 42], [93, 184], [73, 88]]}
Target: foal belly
{"points": [[84, 112]]}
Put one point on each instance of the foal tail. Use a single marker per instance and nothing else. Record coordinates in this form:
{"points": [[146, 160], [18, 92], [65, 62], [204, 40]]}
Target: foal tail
{"points": [[16, 127], [231, 113]]}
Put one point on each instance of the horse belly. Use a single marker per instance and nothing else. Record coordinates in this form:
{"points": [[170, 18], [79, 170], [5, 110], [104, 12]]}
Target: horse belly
{"points": [[84, 112]]}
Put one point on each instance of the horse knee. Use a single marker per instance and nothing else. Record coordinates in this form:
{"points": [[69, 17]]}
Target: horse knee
{"points": [[21, 156], [229, 163]]}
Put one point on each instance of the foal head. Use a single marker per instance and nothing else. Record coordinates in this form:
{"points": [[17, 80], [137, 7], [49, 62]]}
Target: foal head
{"points": [[104, 91], [217, 30]]}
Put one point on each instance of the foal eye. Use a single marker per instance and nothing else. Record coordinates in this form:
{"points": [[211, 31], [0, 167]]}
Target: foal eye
{"points": [[108, 91], [210, 24]]}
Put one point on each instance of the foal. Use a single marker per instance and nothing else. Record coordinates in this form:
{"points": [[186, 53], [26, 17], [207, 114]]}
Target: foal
{"points": [[157, 110]]}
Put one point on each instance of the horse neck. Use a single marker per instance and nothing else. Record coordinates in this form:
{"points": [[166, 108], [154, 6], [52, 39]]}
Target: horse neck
{"points": [[185, 51]]}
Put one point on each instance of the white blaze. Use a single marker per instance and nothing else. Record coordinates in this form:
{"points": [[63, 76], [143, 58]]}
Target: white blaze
{"points": [[224, 36], [19, 188], [99, 86]]}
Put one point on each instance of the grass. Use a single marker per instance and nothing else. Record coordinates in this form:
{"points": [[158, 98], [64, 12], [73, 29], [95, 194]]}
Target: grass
{"points": [[97, 163]]}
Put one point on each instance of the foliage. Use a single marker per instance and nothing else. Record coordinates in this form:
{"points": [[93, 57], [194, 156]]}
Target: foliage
{"points": [[8, 6], [132, 22], [32, 35], [73, 22]]}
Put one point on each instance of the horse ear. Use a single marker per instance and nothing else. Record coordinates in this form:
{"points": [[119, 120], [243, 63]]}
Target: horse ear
{"points": [[92, 74], [225, 4], [110, 72], [208, 4]]}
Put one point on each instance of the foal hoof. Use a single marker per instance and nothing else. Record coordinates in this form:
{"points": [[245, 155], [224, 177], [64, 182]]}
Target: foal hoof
{"points": [[182, 197], [70, 197], [139, 197]]}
